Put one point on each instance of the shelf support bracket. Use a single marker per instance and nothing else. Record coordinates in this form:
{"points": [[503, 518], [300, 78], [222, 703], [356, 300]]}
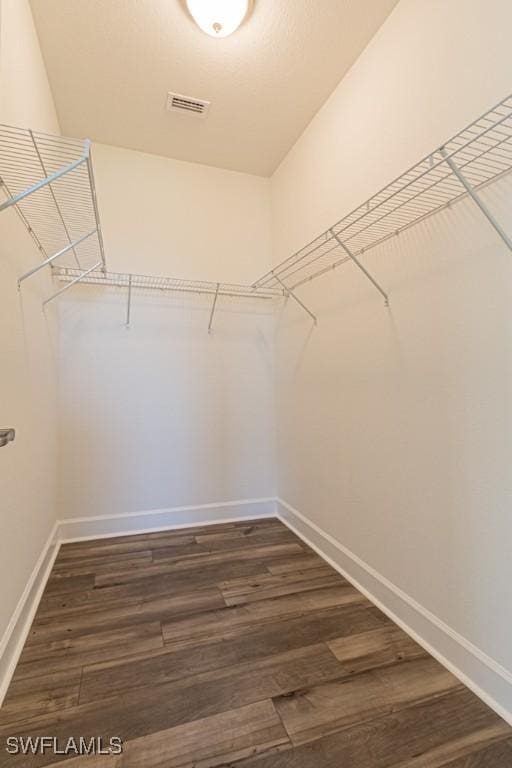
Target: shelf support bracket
{"points": [[73, 282], [48, 261], [43, 183], [213, 308], [129, 303], [476, 198], [289, 292], [361, 267]]}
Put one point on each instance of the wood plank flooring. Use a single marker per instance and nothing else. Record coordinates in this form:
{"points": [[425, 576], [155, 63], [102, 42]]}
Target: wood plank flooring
{"points": [[233, 645]]}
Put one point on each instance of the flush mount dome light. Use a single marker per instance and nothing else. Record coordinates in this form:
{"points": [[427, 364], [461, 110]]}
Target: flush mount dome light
{"points": [[218, 18]]}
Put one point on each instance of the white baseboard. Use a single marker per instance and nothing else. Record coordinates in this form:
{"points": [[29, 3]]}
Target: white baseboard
{"points": [[101, 527], [82, 529], [14, 637], [483, 675]]}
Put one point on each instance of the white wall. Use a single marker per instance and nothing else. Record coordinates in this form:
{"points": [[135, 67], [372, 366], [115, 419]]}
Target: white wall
{"points": [[165, 415], [395, 426], [28, 378], [163, 216]]}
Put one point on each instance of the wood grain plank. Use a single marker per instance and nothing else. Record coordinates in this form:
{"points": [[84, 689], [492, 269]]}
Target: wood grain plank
{"points": [[40, 695], [124, 545], [316, 712], [193, 630], [158, 609], [297, 562], [73, 583], [78, 603], [498, 755], [182, 563], [213, 741], [100, 564], [267, 585], [379, 647], [224, 545], [402, 738], [246, 532], [58, 655], [166, 706], [243, 644]]}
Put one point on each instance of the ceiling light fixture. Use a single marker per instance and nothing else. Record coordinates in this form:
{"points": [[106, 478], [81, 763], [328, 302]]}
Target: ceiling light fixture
{"points": [[218, 18]]}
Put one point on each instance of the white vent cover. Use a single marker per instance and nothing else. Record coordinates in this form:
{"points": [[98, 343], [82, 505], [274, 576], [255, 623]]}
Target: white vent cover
{"points": [[187, 105]]}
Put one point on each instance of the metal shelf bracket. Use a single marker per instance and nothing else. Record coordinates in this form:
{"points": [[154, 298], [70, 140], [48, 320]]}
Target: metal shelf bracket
{"points": [[213, 308], [62, 251], [43, 183], [363, 269], [72, 282], [289, 292], [476, 198], [129, 301]]}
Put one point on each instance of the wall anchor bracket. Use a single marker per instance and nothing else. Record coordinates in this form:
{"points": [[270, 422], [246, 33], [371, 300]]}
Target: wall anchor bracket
{"points": [[49, 260], [289, 292], [73, 282], [361, 267], [213, 307], [129, 303], [476, 198]]}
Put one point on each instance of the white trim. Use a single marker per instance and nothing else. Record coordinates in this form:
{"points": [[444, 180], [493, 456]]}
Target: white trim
{"points": [[16, 632], [488, 679], [174, 518], [164, 510]]}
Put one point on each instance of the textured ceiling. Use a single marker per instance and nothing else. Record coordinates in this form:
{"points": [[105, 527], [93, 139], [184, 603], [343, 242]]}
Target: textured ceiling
{"points": [[112, 62]]}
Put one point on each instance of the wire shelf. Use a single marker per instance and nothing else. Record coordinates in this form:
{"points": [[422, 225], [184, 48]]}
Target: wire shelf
{"points": [[166, 284], [59, 213], [482, 152]]}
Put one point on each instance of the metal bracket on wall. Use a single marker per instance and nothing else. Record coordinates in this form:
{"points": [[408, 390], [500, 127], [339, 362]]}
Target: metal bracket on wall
{"points": [[476, 198], [73, 282], [15, 199], [363, 269], [51, 259], [289, 292], [129, 303], [213, 308], [6, 436]]}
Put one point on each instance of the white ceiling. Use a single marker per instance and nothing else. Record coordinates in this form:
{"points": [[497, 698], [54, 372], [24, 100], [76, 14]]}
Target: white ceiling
{"points": [[112, 62]]}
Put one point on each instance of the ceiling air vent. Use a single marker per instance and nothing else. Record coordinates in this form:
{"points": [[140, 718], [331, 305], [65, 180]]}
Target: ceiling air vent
{"points": [[187, 105]]}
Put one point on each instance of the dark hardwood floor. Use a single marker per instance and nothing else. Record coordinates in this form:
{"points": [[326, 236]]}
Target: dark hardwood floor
{"points": [[233, 645]]}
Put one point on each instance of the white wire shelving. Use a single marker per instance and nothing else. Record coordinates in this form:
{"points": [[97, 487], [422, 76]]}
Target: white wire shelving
{"points": [[50, 182], [141, 283], [476, 156]]}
